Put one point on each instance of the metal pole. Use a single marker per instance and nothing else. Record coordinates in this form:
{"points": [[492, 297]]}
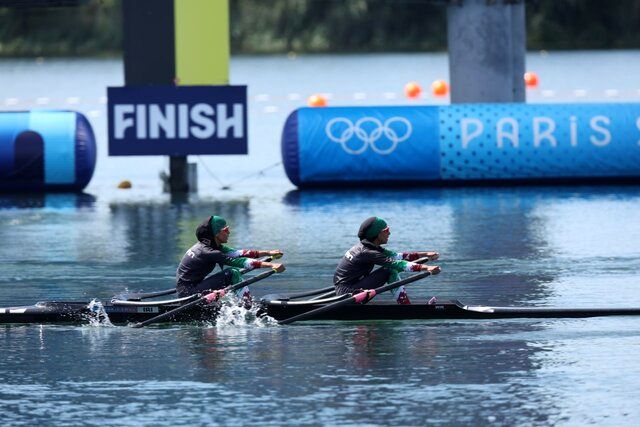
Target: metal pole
{"points": [[149, 60]]}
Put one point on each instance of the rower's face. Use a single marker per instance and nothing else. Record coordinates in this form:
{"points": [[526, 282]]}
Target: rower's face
{"points": [[223, 235], [383, 237]]}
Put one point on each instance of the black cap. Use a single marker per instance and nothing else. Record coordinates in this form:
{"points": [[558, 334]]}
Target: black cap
{"points": [[204, 232], [362, 233]]}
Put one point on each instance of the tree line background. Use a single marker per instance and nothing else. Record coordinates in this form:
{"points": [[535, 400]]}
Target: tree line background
{"points": [[94, 27]]}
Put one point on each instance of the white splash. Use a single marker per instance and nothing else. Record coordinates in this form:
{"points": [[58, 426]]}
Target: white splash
{"points": [[232, 312], [97, 316]]}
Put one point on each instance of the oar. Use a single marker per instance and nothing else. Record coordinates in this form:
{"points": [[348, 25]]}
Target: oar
{"points": [[140, 296], [205, 299], [322, 293], [363, 296]]}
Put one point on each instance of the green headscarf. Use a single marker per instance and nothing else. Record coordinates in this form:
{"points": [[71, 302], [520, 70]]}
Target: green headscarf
{"points": [[377, 225], [217, 223]]}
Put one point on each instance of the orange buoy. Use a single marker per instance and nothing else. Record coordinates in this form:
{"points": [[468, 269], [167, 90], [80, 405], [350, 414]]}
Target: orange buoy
{"points": [[439, 88], [317, 100], [531, 79], [126, 184], [412, 90]]}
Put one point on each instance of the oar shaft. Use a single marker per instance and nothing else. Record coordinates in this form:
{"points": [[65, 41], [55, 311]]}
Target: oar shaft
{"points": [[328, 291], [399, 283], [141, 296], [359, 297], [168, 314], [317, 311], [249, 281], [208, 298]]}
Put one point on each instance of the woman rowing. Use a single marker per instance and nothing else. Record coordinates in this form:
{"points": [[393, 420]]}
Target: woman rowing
{"points": [[354, 270], [209, 251]]}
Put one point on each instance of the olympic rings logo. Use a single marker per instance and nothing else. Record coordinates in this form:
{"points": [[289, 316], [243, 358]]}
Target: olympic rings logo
{"points": [[368, 132]]}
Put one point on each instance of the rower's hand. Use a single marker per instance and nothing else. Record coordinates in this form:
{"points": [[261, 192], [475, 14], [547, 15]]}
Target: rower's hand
{"points": [[276, 253], [278, 268], [432, 255], [433, 269]]}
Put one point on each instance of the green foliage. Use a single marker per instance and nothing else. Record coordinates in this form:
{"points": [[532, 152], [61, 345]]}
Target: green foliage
{"points": [[583, 24], [337, 26], [94, 27]]}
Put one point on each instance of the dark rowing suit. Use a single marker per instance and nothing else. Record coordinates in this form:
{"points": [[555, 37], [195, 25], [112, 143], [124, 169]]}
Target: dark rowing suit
{"points": [[202, 258], [354, 270]]}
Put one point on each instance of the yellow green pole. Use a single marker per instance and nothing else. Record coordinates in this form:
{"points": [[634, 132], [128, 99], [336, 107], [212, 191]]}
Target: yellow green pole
{"points": [[202, 42]]}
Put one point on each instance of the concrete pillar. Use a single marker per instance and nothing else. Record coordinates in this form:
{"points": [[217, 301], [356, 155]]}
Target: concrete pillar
{"points": [[178, 174], [487, 47]]}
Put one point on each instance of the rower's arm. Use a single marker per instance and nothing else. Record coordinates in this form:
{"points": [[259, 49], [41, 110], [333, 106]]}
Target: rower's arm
{"points": [[398, 264], [250, 264], [238, 253], [394, 255], [249, 253], [390, 262], [412, 256], [241, 262], [402, 265], [432, 255]]}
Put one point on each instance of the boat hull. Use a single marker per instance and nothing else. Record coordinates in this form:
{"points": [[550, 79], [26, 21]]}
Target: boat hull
{"points": [[443, 310], [79, 312]]}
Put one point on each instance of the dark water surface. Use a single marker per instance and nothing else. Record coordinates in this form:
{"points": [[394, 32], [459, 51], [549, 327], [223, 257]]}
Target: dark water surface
{"points": [[543, 246]]}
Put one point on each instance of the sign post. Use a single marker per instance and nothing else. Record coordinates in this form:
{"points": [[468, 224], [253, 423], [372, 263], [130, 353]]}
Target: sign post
{"points": [[174, 43]]}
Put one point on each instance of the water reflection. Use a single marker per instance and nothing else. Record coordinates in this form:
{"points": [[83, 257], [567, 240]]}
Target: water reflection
{"points": [[162, 232], [70, 253], [456, 372], [486, 236], [499, 245], [395, 366], [47, 201]]}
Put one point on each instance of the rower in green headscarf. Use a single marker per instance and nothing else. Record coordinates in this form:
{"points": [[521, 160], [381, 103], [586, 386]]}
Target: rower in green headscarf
{"points": [[211, 250], [354, 271]]}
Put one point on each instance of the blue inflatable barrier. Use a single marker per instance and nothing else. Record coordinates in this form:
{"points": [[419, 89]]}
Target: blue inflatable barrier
{"points": [[45, 150], [462, 143]]}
